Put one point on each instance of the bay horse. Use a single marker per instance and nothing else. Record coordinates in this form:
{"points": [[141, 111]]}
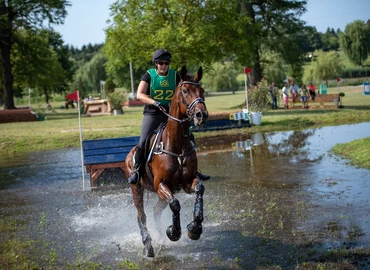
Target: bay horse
{"points": [[172, 163]]}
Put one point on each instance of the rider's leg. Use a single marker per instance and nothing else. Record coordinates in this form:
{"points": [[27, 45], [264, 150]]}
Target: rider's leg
{"points": [[201, 176], [149, 124], [138, 164]]}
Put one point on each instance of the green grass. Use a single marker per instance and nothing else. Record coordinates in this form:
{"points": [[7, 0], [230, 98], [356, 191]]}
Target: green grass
{"points": [[61, 129], [356, 151]]}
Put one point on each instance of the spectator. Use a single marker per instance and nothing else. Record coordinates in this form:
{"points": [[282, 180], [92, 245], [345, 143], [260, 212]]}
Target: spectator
{"points": [[303, 92], [293, 91], [286, 96], [69, 103], [273, 93], [312, 92]]}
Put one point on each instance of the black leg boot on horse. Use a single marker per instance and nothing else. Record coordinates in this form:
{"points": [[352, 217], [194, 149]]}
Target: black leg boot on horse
{"points": [[138, 165]]}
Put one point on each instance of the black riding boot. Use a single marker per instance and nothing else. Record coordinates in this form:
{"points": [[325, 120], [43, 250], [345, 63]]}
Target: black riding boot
{"points": [[138, 160]]}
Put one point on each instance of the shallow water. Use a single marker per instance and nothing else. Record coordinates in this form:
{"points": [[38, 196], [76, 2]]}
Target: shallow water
{"points": [[262, 207]]}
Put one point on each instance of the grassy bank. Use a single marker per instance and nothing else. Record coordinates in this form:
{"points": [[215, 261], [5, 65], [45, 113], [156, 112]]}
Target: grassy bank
{"points": [[356, 151], [61, 129]]}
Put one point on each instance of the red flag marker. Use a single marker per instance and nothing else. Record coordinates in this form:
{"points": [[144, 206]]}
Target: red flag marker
{"points": [[247, 70], [72, 96]]}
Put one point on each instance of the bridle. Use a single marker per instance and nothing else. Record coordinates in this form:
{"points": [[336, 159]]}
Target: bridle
{"points": [[189, 107]]}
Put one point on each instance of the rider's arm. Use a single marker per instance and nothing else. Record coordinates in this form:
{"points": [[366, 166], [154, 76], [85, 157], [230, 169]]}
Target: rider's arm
{"points": [[142, 93]]}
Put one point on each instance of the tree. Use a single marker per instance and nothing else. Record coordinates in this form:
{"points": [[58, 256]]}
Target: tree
{"points": [[195, 32], [330, 40], [355, 42], [327, 66], [88, 76], [64, 58], [109, 86], [81, 82], [36, 64], [313, 39], [222, 77], [204, 31], [17, 15], [274, 68], [276, 27], [96, 71]]}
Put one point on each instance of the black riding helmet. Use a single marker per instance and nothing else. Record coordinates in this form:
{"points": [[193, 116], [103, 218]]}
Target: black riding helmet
{"points": [[161, 54]]}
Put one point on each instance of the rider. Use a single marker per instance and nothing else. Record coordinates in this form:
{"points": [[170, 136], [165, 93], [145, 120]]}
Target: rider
{"points": [[156, 89]]}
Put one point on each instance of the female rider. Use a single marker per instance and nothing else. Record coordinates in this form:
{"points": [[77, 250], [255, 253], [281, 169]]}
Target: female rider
{"points": [[156, 89]]}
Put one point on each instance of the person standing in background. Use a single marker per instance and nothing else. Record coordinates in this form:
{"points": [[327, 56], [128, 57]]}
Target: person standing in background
{"points": [[273, 93], [303, 92], [286, 96], [312, 92]]}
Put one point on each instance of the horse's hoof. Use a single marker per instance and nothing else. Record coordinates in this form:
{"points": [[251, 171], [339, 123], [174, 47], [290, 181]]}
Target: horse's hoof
{"points": [[173, 235], [193, 236], [148, 251], [194, 230]]}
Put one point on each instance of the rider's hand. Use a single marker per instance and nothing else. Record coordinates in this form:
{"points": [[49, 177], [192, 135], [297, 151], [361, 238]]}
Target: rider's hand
{"points": [[159, 106]]}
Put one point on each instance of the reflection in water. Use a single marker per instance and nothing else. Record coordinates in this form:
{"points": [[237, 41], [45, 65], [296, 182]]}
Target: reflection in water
{"points": [[282, 192]]}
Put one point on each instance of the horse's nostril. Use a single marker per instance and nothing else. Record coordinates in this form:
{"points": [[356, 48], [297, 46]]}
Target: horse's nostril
{"points": [[199, 115]]}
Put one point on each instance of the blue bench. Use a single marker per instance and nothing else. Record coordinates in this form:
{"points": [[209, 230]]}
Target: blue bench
{"points": [[102, 154]]}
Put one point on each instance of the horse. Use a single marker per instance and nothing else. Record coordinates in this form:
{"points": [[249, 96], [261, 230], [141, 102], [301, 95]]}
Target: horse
{"points": [[172, 162]]}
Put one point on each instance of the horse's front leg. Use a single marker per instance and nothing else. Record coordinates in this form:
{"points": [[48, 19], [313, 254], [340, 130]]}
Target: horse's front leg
{"points": [[174, 230], [138, 196], [195, 227]]}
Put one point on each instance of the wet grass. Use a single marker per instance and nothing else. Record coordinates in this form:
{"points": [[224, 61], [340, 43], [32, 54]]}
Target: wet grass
{"points": [[23, 253], [357, 152]]}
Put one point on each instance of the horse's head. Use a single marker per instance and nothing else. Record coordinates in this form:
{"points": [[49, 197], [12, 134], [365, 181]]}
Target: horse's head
{"points": [[190, 96]]}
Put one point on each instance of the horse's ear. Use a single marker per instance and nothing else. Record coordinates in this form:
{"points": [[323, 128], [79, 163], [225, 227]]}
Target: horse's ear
{"points": [[184, 72], [199, 74]]}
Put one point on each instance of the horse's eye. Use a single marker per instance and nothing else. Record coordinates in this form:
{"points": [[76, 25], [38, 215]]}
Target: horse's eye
{"points": [[185, 91]]}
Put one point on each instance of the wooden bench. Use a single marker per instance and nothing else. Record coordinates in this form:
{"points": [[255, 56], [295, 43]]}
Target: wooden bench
{"points": [[319, 101], [102, 154]]}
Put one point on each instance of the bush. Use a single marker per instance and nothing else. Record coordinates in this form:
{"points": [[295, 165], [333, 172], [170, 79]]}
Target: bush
{"points": [[116, 100], [259, 98], [356, 72]]}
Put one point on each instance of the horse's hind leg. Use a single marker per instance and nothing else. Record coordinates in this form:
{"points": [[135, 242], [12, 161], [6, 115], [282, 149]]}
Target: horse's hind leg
{"points": [[173, 231], [195, 227], [138, 195]]}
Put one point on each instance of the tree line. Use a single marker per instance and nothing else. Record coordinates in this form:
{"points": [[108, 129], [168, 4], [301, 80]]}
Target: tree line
{"points": [[222, 36]]}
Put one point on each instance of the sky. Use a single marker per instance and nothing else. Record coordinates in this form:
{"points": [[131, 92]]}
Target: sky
{"points": [[87, 19]]}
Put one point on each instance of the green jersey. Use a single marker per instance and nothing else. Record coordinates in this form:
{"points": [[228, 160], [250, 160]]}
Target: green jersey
{"points": [[162, 88]]}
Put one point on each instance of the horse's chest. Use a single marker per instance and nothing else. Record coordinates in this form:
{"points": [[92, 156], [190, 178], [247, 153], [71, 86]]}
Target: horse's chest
{"points": [[178, 168]]}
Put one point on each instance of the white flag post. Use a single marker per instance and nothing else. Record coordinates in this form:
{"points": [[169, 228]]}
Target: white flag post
{"points": [[246, 71], [246, 90], [82, 151]]}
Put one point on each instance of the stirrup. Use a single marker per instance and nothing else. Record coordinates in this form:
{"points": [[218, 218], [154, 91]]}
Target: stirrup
{"points": [[134, 178]]}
